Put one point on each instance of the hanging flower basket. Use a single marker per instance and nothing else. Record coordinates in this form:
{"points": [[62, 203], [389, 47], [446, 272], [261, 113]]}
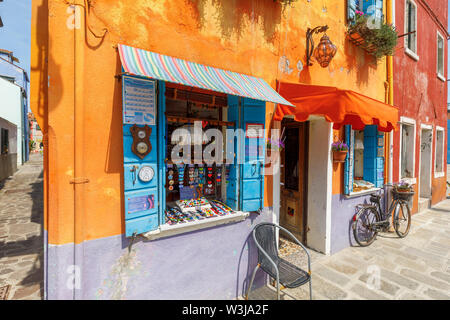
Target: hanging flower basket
{"points": [[340, 150], [355, 38], [374, 36], [339, 156]]}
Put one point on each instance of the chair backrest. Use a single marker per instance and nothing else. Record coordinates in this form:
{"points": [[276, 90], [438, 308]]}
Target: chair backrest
{"points": [[264, 235]]}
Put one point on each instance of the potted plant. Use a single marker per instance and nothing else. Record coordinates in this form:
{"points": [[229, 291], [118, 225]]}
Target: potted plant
{"points": [[378, 39], [340, 150]]}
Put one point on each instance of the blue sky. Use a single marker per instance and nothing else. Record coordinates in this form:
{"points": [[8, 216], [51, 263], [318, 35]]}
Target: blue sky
{"points": [[16, 33]]}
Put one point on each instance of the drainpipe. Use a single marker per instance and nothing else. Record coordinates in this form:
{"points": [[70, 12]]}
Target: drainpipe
{"points": [[390, 80], [78, 180]]}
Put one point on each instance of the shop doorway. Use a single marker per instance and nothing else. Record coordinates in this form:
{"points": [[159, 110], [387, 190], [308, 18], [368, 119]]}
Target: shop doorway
{"points": [[293, 177], [425, 163]]}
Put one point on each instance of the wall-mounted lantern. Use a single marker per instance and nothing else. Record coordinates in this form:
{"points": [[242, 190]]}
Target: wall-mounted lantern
{"points": [[325, 50]]}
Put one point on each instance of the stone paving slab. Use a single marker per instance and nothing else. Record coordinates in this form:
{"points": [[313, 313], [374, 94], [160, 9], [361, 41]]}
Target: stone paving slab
{"points": [[413, 268], [21, 234]]}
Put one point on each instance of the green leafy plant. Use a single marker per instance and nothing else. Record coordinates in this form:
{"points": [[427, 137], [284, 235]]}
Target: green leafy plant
{"points": [[379, 39]]}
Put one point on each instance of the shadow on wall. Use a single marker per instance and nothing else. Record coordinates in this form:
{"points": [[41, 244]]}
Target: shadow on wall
{"points": [[360, 61], [233, 13], [249, 246]]}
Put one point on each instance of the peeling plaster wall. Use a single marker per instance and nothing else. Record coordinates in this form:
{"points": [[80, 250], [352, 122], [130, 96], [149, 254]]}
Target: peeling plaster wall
{"points": [[418, 92]]}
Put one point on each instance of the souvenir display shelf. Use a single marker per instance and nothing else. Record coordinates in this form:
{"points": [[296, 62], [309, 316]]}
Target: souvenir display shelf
{"points": [[193, 191], [183, 211]]}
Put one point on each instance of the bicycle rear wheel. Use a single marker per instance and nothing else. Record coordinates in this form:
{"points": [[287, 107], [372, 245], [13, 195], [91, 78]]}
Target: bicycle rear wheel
{"points": [[363, 229], [402, 220]]}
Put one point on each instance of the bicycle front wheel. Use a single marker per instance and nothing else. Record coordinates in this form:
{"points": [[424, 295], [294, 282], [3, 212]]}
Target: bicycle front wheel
{"points": [[402, 220], [363, 229]]}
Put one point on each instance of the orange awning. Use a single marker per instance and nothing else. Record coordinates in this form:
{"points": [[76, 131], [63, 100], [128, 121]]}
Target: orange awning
{"points": [[338, 106]]}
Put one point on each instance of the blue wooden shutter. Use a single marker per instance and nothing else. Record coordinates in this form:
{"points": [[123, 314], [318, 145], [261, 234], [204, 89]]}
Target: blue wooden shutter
{"points": [[162, 141], [252, 182], [232, 151], [352, 6], [373, 156], [141, 199], [348, 167]]}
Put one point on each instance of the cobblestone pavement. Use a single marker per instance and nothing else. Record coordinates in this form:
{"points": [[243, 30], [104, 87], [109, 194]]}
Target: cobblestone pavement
{"points": [[21, 234], [415, 267]]}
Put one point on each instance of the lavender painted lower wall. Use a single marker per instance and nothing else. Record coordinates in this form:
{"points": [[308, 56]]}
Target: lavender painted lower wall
{"points": [[214, 263], [342, 212]]}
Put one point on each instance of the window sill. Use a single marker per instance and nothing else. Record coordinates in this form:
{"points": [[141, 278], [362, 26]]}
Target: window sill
{"points": [[361, 193], [441, 77], [167, 230], [409, 180], [412, 54], [439, 174]]}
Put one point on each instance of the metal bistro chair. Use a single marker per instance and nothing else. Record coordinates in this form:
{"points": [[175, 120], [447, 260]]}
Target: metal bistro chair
{"points": [[279, 269]]}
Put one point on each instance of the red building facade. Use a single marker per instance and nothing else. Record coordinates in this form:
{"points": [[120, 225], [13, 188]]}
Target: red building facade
{"points": [[420, 92]]}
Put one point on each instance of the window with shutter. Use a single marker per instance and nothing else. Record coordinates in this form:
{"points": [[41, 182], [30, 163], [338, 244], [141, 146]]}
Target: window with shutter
{"points": [[364, 166]]}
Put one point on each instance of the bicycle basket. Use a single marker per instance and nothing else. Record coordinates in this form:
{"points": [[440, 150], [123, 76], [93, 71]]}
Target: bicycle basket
{"points": [[402, 195]]}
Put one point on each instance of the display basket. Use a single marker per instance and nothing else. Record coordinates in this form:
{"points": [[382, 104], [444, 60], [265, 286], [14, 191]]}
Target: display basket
{"points": [[402, 195]]}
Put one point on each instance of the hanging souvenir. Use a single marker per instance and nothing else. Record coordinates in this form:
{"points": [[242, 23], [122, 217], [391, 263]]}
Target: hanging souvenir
{"points": [[180, 175]]}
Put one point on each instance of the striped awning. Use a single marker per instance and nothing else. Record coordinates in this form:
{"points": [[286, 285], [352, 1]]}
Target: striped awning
{"points": [[157, 66]]}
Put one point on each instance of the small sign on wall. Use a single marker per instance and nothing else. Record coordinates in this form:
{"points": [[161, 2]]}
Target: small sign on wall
{"points": [[141, 203], [139, 101]]}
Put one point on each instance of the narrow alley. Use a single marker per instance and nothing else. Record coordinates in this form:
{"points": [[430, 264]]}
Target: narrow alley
{"points": [[21, 233]]}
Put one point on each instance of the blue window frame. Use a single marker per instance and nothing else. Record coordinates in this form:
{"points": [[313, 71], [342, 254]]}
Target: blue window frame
{"points": [[364, 165], [145, 202]]}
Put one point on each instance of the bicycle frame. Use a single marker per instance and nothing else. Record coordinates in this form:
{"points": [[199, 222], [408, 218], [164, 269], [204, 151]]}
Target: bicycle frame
{"points": [[382, 215]]}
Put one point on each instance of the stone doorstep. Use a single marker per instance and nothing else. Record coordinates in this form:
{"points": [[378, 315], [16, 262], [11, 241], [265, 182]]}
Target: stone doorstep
{"points": [[424, 204]]}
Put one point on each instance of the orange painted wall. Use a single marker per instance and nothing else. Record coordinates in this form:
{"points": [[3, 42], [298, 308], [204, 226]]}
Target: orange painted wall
{"points": [[75, 93]]}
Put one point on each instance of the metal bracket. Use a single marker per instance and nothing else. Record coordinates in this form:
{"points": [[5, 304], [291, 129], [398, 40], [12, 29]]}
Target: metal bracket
{"points": [[132, 241], [79, 180]]}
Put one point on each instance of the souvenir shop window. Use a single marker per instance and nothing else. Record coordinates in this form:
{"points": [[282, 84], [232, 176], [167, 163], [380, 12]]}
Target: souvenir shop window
{"points": [[196, 188], [364, 167]]}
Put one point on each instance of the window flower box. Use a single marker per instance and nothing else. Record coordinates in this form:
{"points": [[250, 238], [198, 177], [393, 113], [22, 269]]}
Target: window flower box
{"points": [[374, 36]]}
